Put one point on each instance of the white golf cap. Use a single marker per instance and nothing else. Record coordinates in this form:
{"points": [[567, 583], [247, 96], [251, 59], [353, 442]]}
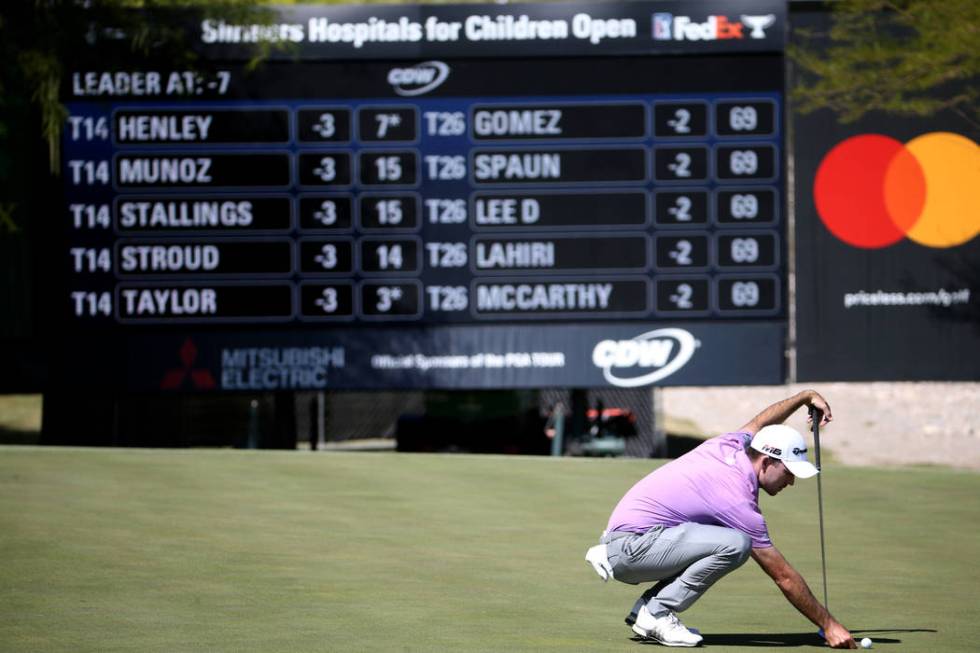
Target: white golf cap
{"points": [[786, 444]]}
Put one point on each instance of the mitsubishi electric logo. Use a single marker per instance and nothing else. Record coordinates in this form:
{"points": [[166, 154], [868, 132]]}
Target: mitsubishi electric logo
{"points": [[419, 79], [668, 27], [200, 377], [644, 359]]}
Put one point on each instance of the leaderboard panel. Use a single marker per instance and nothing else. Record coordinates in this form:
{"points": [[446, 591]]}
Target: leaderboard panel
{"points": [[594, 206], [430, 196]]}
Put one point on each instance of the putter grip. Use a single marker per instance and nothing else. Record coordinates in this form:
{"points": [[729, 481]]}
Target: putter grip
{"points": [[815, 416]]}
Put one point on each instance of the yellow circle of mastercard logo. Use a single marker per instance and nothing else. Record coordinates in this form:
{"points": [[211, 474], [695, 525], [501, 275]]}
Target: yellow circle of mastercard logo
{"points": [[872, 191]]}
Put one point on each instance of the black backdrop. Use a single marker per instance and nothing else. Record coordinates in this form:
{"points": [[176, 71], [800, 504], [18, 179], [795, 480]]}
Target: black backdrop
{"points": [[878, 342]]}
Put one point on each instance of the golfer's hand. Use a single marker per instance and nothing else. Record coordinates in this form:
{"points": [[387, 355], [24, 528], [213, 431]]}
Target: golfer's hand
{"points": [[818, 402], [596, 556], [838, 637]]}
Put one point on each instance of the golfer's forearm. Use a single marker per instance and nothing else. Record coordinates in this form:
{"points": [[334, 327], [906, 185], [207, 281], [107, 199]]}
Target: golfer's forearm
{"points": [[779, 411], [798, 593]]}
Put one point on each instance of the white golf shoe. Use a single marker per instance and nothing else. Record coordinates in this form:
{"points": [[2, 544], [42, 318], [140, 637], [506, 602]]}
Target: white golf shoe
{"points": [[667, 630]]}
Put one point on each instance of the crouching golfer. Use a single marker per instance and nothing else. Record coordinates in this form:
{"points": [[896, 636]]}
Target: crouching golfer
{"points": [[697, 518]]}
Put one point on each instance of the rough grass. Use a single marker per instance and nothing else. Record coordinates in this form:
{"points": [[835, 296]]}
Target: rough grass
{"points": [[140, 550]]}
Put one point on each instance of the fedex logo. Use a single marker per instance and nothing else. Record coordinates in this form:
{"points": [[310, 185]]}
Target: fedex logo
{"points": [[715, 28], [667, 27]]}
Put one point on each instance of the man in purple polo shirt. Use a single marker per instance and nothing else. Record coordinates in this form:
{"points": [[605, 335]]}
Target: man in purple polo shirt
{"points": [[697, 518]]}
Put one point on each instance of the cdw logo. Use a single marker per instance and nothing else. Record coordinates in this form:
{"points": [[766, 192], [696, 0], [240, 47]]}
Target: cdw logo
{"points": [[644, 359]]}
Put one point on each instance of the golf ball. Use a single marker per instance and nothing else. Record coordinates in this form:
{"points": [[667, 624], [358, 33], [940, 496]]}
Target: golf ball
{"points": [[866, 642]]}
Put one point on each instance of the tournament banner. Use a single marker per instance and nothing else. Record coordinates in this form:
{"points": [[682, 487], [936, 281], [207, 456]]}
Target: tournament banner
{"points": [[887, 246], [493, 30], [610, 355]]}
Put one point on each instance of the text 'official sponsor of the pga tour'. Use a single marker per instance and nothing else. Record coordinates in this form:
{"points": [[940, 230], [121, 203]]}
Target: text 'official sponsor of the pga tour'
{"points": [[644, 359]]}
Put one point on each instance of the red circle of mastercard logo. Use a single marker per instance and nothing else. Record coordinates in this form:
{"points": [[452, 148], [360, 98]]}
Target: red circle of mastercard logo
{"points": [[872, 191]]}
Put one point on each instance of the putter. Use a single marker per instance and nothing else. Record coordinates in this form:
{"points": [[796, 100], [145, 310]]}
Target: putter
{"points": [[815, 416]]}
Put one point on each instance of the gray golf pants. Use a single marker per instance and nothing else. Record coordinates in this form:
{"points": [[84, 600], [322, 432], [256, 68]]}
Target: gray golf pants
{"points": [[685, 559]]}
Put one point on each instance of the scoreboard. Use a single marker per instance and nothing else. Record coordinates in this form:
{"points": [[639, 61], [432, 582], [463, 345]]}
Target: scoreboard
{"points": [[434, 196]]}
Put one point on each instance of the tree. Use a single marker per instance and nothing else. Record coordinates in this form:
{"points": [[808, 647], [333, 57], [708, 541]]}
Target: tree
{"points": [[39, 38], [904, 57]]}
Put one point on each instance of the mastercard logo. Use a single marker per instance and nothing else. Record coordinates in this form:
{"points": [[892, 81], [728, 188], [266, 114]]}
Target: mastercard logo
{"points": [[871, 191]]}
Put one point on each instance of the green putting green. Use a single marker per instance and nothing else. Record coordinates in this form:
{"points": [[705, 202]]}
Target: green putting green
{"points": [[191, 550]]}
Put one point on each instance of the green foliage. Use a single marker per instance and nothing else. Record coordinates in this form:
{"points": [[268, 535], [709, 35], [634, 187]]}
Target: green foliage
{"points": [[42, 71], [39, 39], [8, 224], [904, 57]]}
